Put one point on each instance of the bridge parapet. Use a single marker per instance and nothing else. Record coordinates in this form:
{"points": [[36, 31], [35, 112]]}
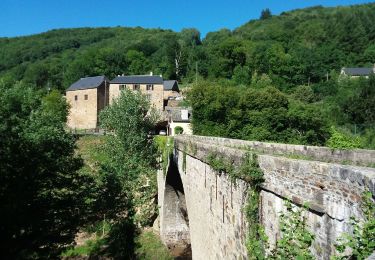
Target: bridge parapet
{"points": [[360, 157]]}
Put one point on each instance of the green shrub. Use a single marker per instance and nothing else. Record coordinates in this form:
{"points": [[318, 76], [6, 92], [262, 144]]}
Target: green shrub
{"points": [[341, 140], [296, 238], [362, 240], [164, 145], [178, 130]]}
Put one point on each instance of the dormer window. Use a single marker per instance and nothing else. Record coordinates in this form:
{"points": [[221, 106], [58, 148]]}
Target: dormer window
{"points": [[136, 87], [149, 87]]}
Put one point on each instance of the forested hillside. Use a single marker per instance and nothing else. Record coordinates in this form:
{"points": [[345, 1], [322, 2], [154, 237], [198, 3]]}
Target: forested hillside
{"points": [[291, 48], [300, 53]]}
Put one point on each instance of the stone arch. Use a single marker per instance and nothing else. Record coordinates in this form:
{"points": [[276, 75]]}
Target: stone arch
{"points": [[174, 222]]}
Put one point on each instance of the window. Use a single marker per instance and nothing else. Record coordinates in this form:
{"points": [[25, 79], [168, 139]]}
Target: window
{"points": [[122, 87], [149, 87], [148, 97], [75, 97], [86, 97], [136, 87]]}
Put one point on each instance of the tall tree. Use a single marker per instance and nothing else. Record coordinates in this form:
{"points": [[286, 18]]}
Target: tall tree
{"points": [[265, 14], [42, 193]]}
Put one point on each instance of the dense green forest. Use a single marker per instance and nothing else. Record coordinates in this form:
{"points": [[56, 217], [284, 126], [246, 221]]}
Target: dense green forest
{"points": [[299, 53], [293, 48]]}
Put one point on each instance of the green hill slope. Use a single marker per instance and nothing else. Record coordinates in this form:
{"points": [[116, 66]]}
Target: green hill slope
{"points": [[293, 48]]}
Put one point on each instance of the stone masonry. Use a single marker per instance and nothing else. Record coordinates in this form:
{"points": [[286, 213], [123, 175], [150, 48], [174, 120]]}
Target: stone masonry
{"points": [[214, 204]]}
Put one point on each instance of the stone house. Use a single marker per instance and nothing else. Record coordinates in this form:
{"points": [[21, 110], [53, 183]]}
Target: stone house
{"points": [[87, 97], [357, 72], [171, 89], [153, 87], [178, 116]]}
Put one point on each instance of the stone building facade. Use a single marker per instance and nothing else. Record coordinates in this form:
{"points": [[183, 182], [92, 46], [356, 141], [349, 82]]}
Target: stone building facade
{"points": [[171, 89], [87, 97], [151, 86], [179, 117]]}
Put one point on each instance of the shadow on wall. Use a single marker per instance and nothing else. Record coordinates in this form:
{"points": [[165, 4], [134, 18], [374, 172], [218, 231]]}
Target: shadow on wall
{"points": [[176, 220]]}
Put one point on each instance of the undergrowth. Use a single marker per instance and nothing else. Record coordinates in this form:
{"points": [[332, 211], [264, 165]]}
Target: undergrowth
{"points": [[164, 145]]}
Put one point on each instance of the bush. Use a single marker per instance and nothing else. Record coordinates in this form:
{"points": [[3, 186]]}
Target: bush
{"points": [[178, 130], [341, 140]]}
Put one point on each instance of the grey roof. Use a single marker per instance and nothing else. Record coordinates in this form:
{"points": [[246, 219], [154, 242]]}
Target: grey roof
{"points": [[138, 79], [358, 71], [170, 85], [87, 83], [175, 113]]}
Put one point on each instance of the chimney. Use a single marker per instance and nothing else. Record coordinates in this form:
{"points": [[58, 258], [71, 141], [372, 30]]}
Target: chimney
{"points": [[123, 74], [151, 73], [184, 114]]}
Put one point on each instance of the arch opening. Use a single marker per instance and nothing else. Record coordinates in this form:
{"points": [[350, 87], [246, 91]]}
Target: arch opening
{"points": [[175, 226]]}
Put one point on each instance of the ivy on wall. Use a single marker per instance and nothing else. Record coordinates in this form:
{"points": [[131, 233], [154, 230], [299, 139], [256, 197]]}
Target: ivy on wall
{"points": [[250, 172], [296, 239], [361, 243], [164, 145]]}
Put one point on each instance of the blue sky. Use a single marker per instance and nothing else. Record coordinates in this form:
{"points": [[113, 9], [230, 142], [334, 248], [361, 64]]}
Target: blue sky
{"points": [[25, 17]]}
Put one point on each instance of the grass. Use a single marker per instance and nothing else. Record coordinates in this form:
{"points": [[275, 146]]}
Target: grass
{"points": [[91, 247], [89, 147], [149, 247], [96, 242]]}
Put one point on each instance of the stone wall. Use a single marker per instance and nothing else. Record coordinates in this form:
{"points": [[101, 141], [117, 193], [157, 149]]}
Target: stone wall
{"points": [[355, 156], [83, 114], [156, 96], [214, 204]]}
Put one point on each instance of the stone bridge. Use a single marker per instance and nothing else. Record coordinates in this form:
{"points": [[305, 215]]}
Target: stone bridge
{"points": [[201, 211]]}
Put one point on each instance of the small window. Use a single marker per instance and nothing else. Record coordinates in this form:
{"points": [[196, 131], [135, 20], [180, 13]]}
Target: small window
{"points": [[122, 87], [136, 87], [149, 87], [86, 97], [75, 97]]}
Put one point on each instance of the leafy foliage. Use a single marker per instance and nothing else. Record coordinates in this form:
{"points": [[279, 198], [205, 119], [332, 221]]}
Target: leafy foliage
{"points": [[360, 243], [339, 140], [296, 239], [164, 145], [178, 130], [266, 13], [43, 194], [263, 114], [132, 155]]}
